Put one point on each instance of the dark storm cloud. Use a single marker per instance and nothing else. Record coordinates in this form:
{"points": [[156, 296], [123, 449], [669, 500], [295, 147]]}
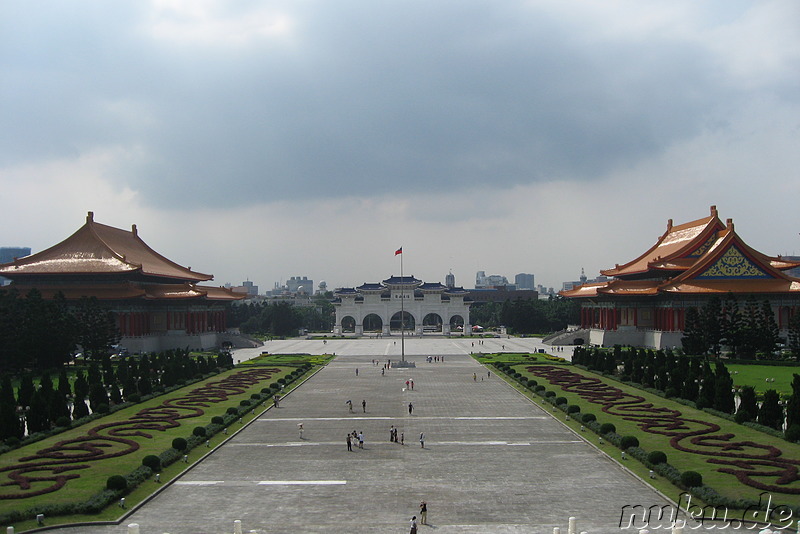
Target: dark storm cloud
{"points": [[360, 98]]}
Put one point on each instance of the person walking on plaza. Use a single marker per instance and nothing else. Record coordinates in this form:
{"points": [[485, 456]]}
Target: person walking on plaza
{"points": [[474, 377], [360, 440], [413, 525], [410, 408], [300, 429], [349, 404], [423, 513], [356, 371], [364, 405], [422, 440], [412, 384], [349, 443]]}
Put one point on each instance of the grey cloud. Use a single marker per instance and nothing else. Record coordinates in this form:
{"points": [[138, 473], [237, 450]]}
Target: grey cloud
{"points": [[374, 98]]}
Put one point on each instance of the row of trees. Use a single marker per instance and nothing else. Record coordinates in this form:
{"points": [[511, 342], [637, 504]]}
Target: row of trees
{"points": [[527, 316], [690, 378], [39, 407], [282, 318], [745, 332], [43, 334]]}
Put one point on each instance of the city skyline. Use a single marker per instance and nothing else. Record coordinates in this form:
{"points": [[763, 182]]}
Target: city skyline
{"points": [[260, 142]]}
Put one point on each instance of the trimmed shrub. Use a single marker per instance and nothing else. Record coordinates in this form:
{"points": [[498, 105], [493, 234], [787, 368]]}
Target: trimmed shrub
{"points": [[606, 428], [573, 408], [274, 385], [244, 402], [657, 457], [588, 418], [266, 391], [281, 380], [691, 479], [628, 441], [134, 398], [179, 444], [532, 383], [152, 461], [255, 396], [232, 411], [538, 388], [63, 421], [116, 483], [199, 431], [561, 400], [793, 433], [549, 394], [103, 408], [218, 420]]}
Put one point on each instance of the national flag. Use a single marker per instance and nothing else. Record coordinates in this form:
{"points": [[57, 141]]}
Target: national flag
{"points": [[398, 251]]}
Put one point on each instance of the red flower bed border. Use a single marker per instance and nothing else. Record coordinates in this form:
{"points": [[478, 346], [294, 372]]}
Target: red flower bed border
{"points": [[745, 460], [57, 464]]}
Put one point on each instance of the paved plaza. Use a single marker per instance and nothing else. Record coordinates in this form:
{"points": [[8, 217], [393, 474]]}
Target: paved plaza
{"points": [[493, 460]]}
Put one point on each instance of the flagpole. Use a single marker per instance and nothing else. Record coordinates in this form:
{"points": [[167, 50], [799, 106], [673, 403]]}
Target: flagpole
{"points": [[402, 312]]}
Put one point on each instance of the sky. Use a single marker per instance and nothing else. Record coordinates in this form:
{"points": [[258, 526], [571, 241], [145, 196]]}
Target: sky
{"points": [[259, 140]]}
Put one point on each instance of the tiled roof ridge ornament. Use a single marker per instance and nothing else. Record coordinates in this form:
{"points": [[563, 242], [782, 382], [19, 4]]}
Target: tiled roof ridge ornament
{"points": [[669, 225], [729, 223], [134, 230]]}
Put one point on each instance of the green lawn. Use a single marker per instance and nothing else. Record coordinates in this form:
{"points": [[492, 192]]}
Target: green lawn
{"points": [[151, 441], [725, 484], [757, 375]]}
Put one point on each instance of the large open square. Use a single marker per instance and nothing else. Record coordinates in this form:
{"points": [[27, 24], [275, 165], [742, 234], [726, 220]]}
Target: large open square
{"points": [[493, 461]]}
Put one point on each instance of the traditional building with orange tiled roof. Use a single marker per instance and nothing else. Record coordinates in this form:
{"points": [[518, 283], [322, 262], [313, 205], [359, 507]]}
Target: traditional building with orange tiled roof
{"points": [[644, 302], [158, 304]]}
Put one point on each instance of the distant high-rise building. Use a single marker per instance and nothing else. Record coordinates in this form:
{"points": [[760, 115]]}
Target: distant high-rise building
{"points": [[524, 281], [300, 285], [450, 280], [493, 280]]}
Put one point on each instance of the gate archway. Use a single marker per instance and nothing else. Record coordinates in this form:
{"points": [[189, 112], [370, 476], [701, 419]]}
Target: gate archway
{"points": [[409, 321], [372, 323], [432, 323], [348, 324]]}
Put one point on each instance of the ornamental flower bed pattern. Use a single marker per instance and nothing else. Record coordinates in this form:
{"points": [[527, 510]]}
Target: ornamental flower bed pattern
{"points": [[754, 464], [56, 465]]}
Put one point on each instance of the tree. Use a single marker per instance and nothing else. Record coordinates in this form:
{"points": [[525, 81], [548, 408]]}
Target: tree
{"points": [[731, 323], [707, 387], [793, 405], [794, 334], [79, 408], [752, 338], [769, 332], [38, 415], [771, 413], [97, 396], [693, 340], [97, 328], [709, 319], [748, 406], [724, 400], [26, 390], [10, 424]]}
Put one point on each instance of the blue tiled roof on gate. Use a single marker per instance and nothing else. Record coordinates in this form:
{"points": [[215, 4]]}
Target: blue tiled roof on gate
{"points": [[432, 286], [409, 280], [370, 287]]}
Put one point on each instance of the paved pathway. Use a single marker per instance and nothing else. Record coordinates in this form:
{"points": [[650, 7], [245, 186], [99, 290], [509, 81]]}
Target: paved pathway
{"points": [[493, 461]]}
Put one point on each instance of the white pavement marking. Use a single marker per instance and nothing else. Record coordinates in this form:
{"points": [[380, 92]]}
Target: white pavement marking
{"points": [[418, 418], [198, 482], [383, 444], [302, 482]]}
